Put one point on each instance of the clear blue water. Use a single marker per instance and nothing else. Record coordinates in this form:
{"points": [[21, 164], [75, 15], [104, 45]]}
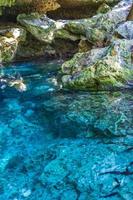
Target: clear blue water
{"points": [[64, 145]]}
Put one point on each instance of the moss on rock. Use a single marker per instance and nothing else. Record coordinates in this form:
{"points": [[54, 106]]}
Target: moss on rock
{"points": [[111, 68], [10, 38]]}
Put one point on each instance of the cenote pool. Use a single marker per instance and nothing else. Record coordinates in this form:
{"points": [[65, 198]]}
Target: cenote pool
{"points": [[62, 145]]}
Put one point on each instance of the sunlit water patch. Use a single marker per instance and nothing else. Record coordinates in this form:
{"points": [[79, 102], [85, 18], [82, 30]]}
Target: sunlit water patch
{"points": [[57, 144]]}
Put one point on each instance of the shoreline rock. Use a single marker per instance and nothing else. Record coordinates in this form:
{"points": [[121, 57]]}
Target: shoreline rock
{"points": [[100, 69], [10, 39]]}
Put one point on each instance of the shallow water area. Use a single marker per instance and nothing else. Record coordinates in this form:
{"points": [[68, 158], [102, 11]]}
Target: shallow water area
{"points": [[55, 144]]}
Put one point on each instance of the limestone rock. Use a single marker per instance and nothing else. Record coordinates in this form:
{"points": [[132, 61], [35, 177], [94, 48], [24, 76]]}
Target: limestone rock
{"points": [[45, 29], [101, 69], [100, 28], [103, 8], [29, 6], [130, 17], [97, 30], [10, 39], [40, 27], [84, 46], [125, 30]]}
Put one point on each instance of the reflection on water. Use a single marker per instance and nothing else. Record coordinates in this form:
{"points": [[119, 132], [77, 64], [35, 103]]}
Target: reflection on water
{"points": [[55, 144]]}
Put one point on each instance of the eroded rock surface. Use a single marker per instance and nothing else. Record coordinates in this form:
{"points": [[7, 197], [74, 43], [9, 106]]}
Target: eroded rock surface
{"points": [[97, 30], [10, 38], [125, 30], [29, 6], [88, 170], [45, 29], [101, 114], [101, 69]]}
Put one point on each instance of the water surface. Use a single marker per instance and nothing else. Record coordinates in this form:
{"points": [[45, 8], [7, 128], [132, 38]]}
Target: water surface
{"points": [[57, 144]]}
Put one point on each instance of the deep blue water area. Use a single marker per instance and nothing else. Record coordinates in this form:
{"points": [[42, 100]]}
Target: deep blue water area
{"points": [[62, 145]]}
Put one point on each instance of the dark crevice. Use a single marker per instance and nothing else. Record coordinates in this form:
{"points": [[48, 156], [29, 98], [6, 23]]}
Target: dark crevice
{"points": [[110, 195]]}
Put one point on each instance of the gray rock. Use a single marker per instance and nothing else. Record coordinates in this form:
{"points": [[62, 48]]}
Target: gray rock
{"points": [[108, 69], [10, 39], [125, 30]]}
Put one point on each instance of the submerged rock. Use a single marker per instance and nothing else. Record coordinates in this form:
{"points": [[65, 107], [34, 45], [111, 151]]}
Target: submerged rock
{"points": [[102, 69], [38, 163], [16, 83], [83, 169], [86, 115], [89, 170]]}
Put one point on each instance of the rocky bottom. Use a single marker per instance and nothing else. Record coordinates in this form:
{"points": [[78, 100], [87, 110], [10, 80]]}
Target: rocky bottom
{"points": [[60, 145]]}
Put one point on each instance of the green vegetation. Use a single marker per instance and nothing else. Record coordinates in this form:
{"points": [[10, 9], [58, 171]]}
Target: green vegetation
{"points": [[7, 2], [4, 3]]}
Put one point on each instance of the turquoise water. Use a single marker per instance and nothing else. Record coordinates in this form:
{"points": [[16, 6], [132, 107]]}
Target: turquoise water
{"points": [[62, 145]]}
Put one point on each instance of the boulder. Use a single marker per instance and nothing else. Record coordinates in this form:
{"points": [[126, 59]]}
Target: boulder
{"points": [[45, 29], [17, 44], [100, 28], [40, 26], [102, 69], [97, 30], [10, 38]]}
